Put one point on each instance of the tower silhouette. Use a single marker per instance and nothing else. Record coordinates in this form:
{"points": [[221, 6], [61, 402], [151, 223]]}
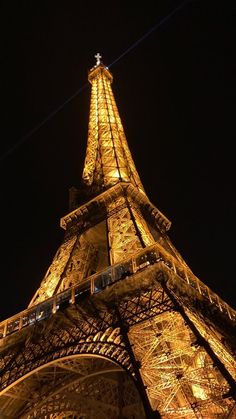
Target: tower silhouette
{"points": [[119, 327]]}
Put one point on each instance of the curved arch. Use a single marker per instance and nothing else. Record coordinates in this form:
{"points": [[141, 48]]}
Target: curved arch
{"points": [[33, 355], [70, 381], [54, 361]]}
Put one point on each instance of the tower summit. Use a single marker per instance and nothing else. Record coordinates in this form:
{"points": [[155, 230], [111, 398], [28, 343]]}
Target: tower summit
{"points": [[108, 158], [119, 327]]}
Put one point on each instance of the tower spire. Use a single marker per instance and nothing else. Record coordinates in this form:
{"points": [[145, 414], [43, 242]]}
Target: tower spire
{"points": [[98, 58], [108, 158]]}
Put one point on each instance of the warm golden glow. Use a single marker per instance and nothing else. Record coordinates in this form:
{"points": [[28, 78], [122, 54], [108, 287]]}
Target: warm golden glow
{"points": [[176, 373], [108, 158], [117, 253]]}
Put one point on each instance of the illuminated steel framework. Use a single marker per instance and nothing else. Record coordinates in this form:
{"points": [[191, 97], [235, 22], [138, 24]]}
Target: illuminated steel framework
{"points": [[120, 327]]}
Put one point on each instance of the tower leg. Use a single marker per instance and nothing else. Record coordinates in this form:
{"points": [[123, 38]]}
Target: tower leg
{"points": [[203, 342], [150, 414]]}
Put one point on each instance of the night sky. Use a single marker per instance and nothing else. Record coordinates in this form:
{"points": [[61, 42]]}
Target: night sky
{"points": [[175, 93]]}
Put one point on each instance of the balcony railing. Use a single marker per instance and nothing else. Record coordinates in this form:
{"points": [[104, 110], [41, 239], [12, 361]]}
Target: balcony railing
{"points": [[151, 255]]}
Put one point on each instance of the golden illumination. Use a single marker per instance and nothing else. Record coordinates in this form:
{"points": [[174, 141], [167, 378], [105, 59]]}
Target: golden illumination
{"points": [[117, 291], [108, 158]]}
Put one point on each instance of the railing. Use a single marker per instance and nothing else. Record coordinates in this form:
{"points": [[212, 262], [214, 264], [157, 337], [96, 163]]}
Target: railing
{"points": [[96, 283]]}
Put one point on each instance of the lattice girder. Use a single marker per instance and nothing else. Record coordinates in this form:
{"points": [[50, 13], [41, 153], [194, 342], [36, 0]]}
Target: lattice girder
{"points": [[172, 372], [119, 230], [108, 158], [61, 389], [180, 377]]}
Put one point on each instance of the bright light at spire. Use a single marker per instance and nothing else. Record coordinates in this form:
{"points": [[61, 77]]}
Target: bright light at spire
{"points": [[98, 58]]}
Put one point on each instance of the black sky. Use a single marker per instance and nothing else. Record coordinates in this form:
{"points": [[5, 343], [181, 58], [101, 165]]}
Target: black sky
{"points": [[175, 92]]}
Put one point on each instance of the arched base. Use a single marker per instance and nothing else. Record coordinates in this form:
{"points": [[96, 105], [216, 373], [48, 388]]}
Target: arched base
{"points": [[76, 387]]}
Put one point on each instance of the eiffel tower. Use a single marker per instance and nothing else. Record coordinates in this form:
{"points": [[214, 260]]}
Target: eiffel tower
{"points": [[119, 327]]}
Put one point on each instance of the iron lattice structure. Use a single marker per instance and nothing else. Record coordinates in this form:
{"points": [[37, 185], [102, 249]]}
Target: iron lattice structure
{"points": [[120, 327]]}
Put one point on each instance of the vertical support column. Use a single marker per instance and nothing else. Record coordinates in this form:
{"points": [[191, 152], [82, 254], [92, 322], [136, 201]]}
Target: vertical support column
{"points": [[122, 234], [150, 414], [140, 223], [134, 222], [203, 342]]}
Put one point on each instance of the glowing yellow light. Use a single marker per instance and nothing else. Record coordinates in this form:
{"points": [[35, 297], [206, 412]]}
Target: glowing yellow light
{"points": [[108, 158], [199, 392]]}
